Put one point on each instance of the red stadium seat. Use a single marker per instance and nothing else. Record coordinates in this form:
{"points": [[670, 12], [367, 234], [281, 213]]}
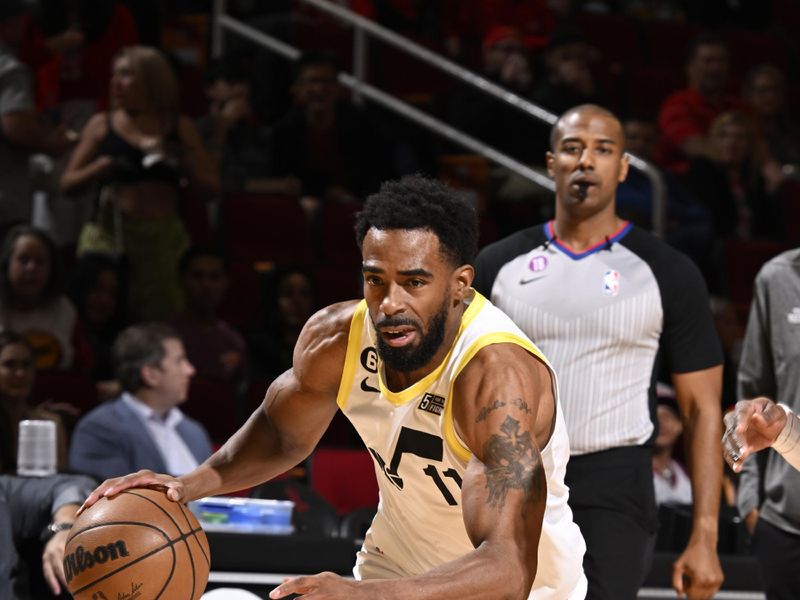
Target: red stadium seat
{"points": [[751, 48], [335, 283], [789, 194], [64, 386], [215, 404], [338, 236], [263, 227], [345, 478], [646, 88], [241, 307], [743, 259], [667, 41], [615, 36]]}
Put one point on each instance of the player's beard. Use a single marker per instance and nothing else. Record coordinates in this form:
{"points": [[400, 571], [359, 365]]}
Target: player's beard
{"points": [[411, 358]]}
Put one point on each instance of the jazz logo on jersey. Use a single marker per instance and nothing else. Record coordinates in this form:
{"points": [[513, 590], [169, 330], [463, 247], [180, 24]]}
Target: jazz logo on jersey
{"points": [[611, 283], [432, 403]]}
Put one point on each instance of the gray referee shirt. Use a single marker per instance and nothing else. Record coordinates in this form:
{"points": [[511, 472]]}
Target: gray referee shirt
{"points": [[603, 317]]}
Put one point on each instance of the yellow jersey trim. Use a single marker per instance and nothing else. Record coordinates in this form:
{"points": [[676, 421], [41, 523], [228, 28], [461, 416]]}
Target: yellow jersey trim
{"points": [[411, 392], [500, 337], [353, 347]]}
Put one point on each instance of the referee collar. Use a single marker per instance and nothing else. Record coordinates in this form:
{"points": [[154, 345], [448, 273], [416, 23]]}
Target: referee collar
{"points": [[552, 240]]}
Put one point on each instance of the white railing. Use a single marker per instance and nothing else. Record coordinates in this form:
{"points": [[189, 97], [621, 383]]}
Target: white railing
{"points": [[361, 89]]}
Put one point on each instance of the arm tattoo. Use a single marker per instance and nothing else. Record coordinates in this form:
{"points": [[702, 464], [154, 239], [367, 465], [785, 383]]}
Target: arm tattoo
{"points": [[522, 405], [484, 412], [511, 462]]}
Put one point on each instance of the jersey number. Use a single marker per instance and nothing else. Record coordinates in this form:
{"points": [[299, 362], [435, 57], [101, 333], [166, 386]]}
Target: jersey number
{"points": [[424, 445]]}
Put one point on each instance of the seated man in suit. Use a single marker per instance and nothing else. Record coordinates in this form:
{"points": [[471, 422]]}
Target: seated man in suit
{"points": [[154, 373]]}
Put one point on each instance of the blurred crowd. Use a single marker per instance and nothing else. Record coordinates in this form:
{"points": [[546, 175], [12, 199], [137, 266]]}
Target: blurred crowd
{"points": [[217, 195]]}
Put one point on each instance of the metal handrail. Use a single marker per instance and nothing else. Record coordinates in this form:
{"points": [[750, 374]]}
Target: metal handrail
{"points": [[360, 88]]}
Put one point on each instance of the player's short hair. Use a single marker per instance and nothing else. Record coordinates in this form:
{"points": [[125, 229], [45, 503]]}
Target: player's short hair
{"points": [[417, 202], [139, 346]]}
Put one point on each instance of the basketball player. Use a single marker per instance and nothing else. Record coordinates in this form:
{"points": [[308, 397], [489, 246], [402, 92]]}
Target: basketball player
{"points": [[605, 300], [457, 407]]}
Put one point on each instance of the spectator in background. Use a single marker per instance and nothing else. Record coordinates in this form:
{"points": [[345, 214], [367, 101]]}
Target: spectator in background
{"points": [[231, 130], [325, 148], [21, 132], [686, 115], [506, 62], [671, 482], [147, 153], [33, 303], [17, 378], [568, 80], [143, 428], [215, 349], [731, 180], [30, 506], [473, 20], [731, 184], [97, 287], [765, 95], [730, 328], [290, 301], [70, 46], [688, 224]]}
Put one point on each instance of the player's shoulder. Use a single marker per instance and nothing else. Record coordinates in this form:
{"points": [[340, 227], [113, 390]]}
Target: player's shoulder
{"points": [[327, 330]]}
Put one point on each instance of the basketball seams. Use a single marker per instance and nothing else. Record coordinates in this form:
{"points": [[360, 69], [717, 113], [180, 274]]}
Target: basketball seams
{"points": [[177, 520], [194, 531], [181, 536]]}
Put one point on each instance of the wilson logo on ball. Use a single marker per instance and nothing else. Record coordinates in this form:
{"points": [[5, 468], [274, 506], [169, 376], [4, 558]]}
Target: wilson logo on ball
{"points": [[79, 561]]}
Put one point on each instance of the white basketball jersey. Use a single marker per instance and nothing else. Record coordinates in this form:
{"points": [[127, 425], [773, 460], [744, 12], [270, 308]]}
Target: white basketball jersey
{"points": [[420, 461]]}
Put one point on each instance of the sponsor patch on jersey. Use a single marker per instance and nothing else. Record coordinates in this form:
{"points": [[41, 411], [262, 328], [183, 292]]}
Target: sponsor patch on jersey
{"points": [[611, 283], [432, 403], [794, 316], [538, 263]]}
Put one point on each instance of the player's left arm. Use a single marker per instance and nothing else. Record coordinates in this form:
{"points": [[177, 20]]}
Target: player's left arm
{"points": [[697, 572], [497, 399]]}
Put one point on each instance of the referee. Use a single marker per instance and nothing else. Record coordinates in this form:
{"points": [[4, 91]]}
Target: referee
{"points": [[605, 300]]}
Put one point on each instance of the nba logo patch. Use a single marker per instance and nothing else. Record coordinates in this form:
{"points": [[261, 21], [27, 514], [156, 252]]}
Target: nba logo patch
{"points": [[611, 283]]}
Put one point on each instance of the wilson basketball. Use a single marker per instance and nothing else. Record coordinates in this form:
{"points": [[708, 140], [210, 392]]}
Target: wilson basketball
{"points": [[137, 545]]}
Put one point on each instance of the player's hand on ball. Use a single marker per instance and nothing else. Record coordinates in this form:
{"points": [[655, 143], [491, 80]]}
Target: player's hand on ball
{"points": [[174, 488], [325, 586]]}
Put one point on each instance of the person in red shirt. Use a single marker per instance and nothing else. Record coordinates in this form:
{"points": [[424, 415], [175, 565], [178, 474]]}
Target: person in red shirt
{"points": [[71, 47], [686, 115]]}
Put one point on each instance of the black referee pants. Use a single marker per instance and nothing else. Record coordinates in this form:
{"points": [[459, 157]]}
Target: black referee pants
{"points": [[778, 556], [613, 503]]}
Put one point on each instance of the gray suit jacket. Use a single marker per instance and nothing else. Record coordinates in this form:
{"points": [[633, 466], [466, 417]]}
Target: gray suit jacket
{"points": [[112, 440], [26, 506]]}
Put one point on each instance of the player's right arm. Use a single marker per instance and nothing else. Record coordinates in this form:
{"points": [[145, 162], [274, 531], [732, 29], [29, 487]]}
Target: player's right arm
{"points": [[296, 411]]}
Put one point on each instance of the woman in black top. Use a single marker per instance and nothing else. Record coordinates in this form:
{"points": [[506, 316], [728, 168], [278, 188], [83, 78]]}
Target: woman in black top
{"points": [[147, 153]]}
